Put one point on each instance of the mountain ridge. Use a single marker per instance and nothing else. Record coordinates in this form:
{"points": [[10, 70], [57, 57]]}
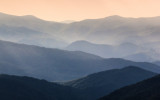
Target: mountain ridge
{"points": [[28, 88], [102, 83], [144, 90], [126, 50], [44, 63], [142, 30]]}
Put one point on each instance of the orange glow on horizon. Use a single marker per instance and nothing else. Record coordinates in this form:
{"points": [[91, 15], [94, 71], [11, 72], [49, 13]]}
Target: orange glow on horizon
{"points": [[59, 10]]}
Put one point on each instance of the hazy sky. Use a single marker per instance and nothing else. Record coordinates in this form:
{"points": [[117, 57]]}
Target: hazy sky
{"points": [[58, 10]]}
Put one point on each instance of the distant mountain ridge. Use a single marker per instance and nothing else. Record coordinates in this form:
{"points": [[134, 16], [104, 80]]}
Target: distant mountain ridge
{"points": [[85, 46], [109, 30], [68, 21], [140, 57], [128, 51], [27, 29]]}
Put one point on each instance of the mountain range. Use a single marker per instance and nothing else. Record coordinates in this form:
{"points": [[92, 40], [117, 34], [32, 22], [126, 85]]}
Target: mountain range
{"points": [[109, 30], [58, 65], [79, 60], [128, 51]]}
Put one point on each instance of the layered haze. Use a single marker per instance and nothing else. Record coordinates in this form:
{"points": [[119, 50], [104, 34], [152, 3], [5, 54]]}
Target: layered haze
{"points": [[135, 39]]}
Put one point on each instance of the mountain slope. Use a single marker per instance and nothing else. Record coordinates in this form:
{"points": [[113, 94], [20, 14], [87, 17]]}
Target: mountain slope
{"points": [[27, 88], [30, 22], [140, 57], [28, 29], [157, 62], [97, 49], [146, 90], [55, 64], [102, 83], [106, 51], [45, 63]]}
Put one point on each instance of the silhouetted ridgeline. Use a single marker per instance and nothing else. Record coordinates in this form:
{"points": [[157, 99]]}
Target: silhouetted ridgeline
{"points": [[102, 83], [146, 90], [27, 88], [87, 88]]}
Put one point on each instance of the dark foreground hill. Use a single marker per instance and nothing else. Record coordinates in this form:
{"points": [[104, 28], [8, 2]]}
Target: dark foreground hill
{"points": [[102, 83], [145, 90], [27, 88]]}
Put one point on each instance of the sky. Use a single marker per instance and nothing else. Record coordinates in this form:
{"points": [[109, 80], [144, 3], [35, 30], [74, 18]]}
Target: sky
{"points": [[60, 10]]}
